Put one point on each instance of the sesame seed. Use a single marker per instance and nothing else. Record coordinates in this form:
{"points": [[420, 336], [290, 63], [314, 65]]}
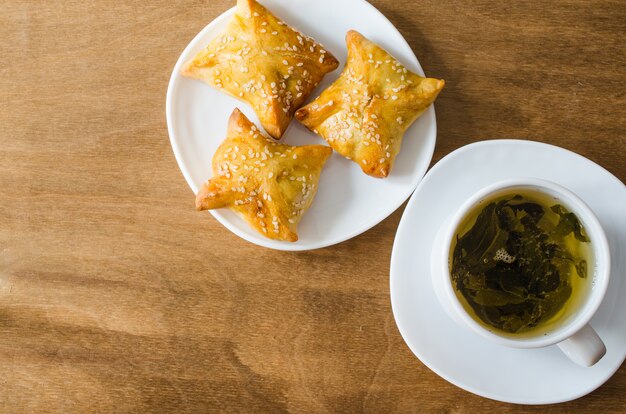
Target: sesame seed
{"points": [[270, 175], [382, 160], [285, 63], [262, 30], [274, 33], [295, 156], [394, 97]]}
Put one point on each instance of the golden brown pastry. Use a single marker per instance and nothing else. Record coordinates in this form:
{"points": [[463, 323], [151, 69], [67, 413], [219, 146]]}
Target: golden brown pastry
{"points": [[363, 115], [264, 62], [270, 185]]}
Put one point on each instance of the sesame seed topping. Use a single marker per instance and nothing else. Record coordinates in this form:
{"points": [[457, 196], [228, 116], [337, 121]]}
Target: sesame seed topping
{"points": [[394, 97], [270, 175], [274, 33], [285, 63]]}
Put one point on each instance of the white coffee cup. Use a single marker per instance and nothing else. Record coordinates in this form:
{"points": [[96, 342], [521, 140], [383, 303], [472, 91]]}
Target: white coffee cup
{"points": [[574, 336]]}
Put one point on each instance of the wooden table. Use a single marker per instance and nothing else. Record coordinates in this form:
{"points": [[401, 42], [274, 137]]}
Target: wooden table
{"points": [[116, 296]]}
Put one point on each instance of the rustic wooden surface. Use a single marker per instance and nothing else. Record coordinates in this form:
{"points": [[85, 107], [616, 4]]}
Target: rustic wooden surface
{"points": [[116, 296]]}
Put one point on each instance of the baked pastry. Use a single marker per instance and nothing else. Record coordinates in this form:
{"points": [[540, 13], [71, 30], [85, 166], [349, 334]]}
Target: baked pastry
{"points": [[363, 115], [270, 185], [264, 62]]}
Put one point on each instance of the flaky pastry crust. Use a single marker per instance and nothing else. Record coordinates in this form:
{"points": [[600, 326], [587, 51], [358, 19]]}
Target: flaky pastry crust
{"points": [[264, 62], [364, 114], [270, 185]]}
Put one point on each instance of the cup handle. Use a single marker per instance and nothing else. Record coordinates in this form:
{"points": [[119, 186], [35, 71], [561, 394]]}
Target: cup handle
{"points": [[584, 347]]}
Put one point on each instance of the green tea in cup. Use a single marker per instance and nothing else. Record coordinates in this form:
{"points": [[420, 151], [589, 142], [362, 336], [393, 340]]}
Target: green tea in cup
{"points": [[520, 263]]}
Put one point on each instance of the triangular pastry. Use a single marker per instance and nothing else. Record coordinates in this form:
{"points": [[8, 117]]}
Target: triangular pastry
{"points": [[264, 62], [270, 185], [363, 115]]}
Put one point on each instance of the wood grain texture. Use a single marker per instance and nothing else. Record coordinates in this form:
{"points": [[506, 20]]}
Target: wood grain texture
{"points": [[117, 296]]}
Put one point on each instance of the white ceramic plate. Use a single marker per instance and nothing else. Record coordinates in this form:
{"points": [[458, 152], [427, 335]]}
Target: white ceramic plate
{"points": [[539, 376], [348, 202]]}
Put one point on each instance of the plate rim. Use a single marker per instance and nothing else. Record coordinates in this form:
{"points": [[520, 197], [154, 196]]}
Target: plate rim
{"points": [[297, 246], [394, 264]]}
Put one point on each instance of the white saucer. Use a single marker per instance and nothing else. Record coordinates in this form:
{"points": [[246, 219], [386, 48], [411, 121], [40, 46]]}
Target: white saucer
{"points": [[540, 376], [348, 202]]}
